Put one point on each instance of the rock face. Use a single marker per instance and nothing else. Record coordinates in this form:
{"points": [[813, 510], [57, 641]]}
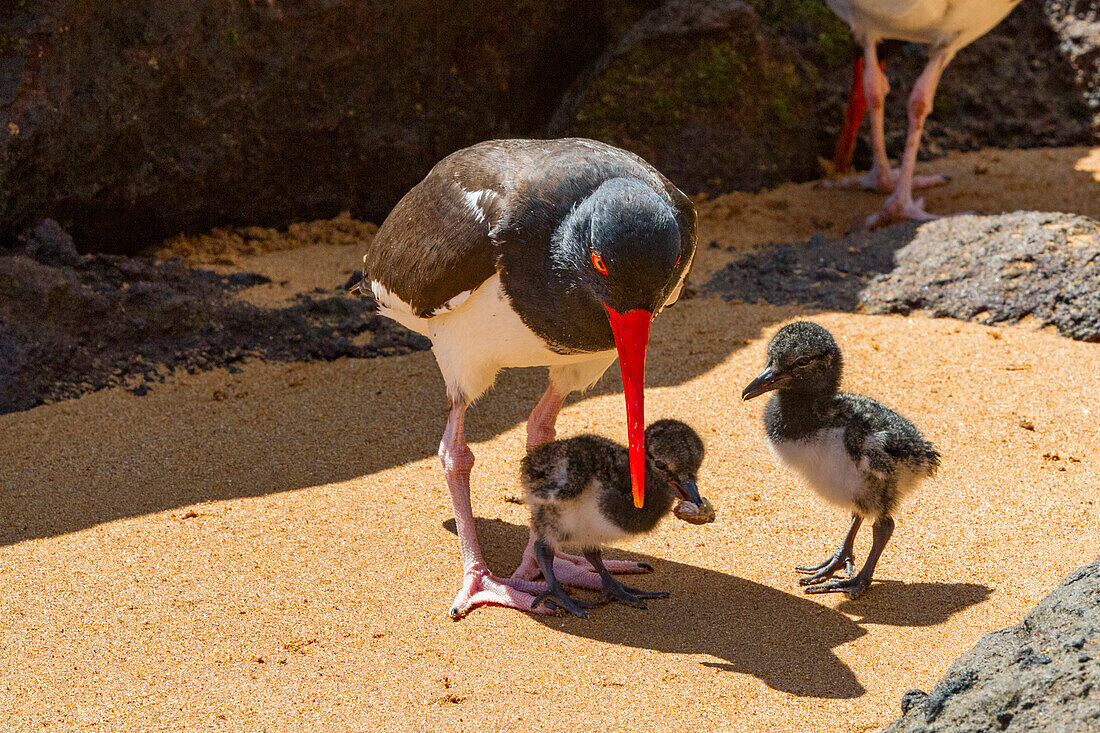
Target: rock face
{"points": [[725, 95], [1077, 23], [71, 324], [1041, 675], [130, 122], [707, 92], [991, 269], [999, 269]]}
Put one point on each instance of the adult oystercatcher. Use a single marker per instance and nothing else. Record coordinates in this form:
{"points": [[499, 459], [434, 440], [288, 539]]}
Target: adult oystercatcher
{"points": [[578, 492], [515, 253], [946, 26], [853, 451]]}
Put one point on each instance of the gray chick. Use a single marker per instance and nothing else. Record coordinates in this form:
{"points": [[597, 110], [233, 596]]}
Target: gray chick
{"points": [[579, 494], [852, 450]]}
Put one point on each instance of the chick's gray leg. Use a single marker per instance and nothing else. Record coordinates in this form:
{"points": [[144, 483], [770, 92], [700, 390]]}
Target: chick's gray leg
{"points": [[854, 587], [554, 596], [540, 429], [614, 590], [842, 558]]}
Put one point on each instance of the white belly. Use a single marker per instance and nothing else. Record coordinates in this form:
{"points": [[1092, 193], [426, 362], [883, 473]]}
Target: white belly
{"points": [[824, 464], [582, 526], [478, 333], [942, 23]]}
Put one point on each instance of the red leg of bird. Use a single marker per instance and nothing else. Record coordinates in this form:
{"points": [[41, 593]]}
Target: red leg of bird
{"points": [[479, 586], [570, 569], [853, 115], [901, 206]]}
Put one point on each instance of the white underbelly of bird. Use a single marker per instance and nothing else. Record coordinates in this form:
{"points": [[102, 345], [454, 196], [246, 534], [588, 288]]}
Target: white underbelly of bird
{"points": [[824, 462], [483, 317], [583, 525], [935, 22]]}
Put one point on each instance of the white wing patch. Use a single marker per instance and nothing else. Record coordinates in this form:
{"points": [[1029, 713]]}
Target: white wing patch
{"points": [[477, 201], [388, 300], [393, 307]]}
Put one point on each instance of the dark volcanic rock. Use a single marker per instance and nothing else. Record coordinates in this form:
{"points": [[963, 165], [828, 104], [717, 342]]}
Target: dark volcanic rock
{"points": [[1041, 675], [724, 95], [107, 320], [823, 273], [999, 269], [992, 269], [50, 244], [1077, 23], [129, 122], [706, 92]]}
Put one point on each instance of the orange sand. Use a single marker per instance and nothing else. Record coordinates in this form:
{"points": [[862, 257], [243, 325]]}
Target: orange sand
{"points": [[272, 550]]}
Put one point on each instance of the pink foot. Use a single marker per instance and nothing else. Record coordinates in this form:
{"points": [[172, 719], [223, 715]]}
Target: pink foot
{"points": [[573, 569], [883, 183], [895, 211], [621, 567], [482, 588]]}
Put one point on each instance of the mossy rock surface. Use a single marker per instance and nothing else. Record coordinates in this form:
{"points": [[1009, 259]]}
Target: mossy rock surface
{"points": [[742, 95]]}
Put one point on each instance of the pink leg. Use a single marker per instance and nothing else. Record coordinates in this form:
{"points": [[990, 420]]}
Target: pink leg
{"points": [[881, 177], [540, 425], [479, 586], [901, 206]]}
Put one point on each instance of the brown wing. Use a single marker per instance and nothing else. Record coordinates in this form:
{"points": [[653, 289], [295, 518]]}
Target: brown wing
{"points": [[435, 243]]}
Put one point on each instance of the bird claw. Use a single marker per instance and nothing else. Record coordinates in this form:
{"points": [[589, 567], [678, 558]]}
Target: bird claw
{"points": [[884, 182], [895, 211], [639, 593], [481, 588], [575, 570], [630, 596], [558, 600], [854, 587], [827, 569], [869, 181]]}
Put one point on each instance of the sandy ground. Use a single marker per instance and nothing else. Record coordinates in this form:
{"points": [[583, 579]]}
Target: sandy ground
{"points": [[272, 549]]}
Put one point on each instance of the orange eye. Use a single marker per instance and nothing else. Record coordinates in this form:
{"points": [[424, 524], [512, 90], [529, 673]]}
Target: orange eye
{"points": [[597, 262]]}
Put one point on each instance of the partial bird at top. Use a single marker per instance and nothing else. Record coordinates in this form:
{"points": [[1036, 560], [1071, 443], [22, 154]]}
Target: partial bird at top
{"points": [[945, 26]]}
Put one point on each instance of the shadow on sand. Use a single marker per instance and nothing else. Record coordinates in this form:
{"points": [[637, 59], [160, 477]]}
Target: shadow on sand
{"points": [[895, 603], [159, 458], [783, 639]]}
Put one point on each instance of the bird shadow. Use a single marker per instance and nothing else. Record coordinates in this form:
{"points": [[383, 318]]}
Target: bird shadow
{"points": [[896, 603], [292, 434], [784, 640]]}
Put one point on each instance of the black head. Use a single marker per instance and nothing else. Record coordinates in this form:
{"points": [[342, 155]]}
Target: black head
{"points": [[622, 246], [676, 450], [802, 358]]}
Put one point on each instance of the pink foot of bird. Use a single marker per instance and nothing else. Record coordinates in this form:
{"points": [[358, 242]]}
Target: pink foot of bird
{"points": [[946, 26], [516, 253]]}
